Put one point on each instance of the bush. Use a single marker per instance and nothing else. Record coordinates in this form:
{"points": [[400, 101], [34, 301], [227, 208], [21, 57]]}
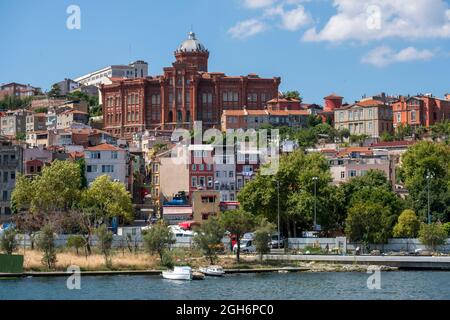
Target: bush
{"points": [[8, 241], [158, 239], [209, 238], [167, 260], [105, 239], [46, 243], [407, 226], [263, 234], [76, 242], [432, 235], [446, 227]]}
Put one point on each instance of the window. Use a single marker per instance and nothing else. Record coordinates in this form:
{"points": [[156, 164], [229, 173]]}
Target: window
{"points": [[5, 176], [107, 168], [194, 182], [231, 196], [210, 182], [194, 167], [231, 174], [232, 186], [95, 155], [155, 167], [201, 167], [91, 168], [113, 154], [342, 174], [5, 195], [399, 117], [352, 173], [155, 179], [201, 181], [369, 128], [217, 174], [413, 116]]}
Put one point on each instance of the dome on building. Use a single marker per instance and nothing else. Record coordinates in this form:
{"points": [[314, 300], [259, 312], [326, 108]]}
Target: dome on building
{"points": [[191, 45]]}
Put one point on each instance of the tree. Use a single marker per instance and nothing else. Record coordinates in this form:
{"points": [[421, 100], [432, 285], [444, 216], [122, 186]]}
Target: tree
{"points": [[366, 223], [76, 241], [105, 199], [237, 222], [8, 241], [21, 136], [57, 189], [158, 239], [407, 226], [432, 235], [209, 238], [446, 227], [46, 243], [105, 239], [55, 91], [426, 164], [292, 95], [263, 233]]}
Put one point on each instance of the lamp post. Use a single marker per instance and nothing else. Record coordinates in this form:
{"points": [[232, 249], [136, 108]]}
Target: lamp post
{"points": [[278, 210], [429, 176], [315, 202]]}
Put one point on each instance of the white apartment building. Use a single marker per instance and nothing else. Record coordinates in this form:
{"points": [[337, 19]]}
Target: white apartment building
{"points": [[225, 173], [106, 159], [136, 69]]}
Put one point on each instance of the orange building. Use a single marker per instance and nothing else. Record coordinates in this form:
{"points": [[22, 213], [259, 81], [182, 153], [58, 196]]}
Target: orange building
{"points": [[424, 110]]}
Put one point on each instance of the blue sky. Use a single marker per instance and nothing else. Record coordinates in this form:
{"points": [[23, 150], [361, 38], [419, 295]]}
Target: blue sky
{"points": [[316, 47]]}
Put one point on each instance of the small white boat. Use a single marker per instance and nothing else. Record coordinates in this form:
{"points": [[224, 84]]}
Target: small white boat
{"points": [[214, 271], [178, 273]]}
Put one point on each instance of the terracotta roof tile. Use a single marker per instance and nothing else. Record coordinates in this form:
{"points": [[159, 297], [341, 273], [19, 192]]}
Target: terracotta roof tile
{"points": [[104, 147]]}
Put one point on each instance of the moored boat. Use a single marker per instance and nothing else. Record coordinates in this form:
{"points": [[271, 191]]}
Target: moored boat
{"points": [[178, 273], [214, 271]]}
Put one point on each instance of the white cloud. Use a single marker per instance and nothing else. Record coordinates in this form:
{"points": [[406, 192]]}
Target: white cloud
{"points": [[247, 28], [383, 56], [253, 4], [294, 19], [380, 19]]}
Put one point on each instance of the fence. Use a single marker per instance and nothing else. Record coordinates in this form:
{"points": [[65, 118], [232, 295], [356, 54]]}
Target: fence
{"points": [[118, 241], [394, 245]]}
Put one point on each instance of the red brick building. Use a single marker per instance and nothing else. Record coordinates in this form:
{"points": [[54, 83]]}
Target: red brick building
{"points": [[420, 111], [185, 93]]}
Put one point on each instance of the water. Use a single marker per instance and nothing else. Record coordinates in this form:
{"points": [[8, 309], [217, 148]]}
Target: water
{"points": [[274, 286]]}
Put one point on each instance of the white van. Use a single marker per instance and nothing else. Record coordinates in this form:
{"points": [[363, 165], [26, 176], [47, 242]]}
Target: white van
{"points": [[246, 246]]}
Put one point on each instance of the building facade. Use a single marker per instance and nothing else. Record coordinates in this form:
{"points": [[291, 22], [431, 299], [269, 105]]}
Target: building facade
{"points": [[14, 122], [11, 164], [185, 93], [106, 159], [367, 117], [424, 110]]}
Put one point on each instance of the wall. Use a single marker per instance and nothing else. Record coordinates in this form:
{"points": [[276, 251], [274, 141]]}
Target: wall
{"points": [[173, 178]]}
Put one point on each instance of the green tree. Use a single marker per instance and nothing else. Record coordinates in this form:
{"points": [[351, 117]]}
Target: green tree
{"points": [[55, 91], [428, 159], [46, 243], [158, 239], [57, 189], [21, 136], [292, 95], [407, 226], [237, 222], [8, 242], [366, 223], [263, 233], [105, 199], [446, 227], [105, 239], [209, 238], [76, 241], [432, 235]]}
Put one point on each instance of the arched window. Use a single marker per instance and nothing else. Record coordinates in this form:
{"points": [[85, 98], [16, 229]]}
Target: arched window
{"points": [[170, 117], [188, 116], [179, 116]]}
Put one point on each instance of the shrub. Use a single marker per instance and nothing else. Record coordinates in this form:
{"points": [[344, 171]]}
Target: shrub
{"points": [[105, 239], [158, 239], [407, 226], [209, 238], [8, 241], [446, 227], [76, 242], [432, 235], [167, 260], [46, 243]]}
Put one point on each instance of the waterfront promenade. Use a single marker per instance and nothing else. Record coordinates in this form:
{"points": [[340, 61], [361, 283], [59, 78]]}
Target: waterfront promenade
{"points": [[402, 262]]}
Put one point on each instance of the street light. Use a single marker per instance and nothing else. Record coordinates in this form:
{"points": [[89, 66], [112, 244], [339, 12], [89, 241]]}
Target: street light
{"points": [[429, 176], [278, 209], [315, 202]]}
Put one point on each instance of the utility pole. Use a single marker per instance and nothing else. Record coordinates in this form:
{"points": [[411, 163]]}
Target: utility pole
{"points": [[278, 209], [428, 183], [315, 202]]}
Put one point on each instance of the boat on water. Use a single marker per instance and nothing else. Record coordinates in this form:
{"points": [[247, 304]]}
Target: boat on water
{"points": [[178, 273], [213, 271]]}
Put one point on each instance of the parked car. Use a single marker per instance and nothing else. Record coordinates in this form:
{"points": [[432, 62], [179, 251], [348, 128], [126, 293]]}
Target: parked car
{"points": [[275, 243], [246, 246]]}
